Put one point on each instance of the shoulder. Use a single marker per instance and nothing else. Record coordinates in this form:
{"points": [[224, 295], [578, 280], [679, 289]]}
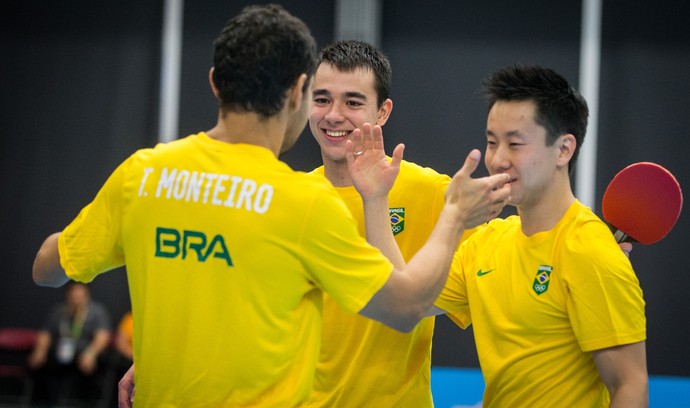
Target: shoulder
{"points": [[316, 182], [587, 240], [491, 234], [414, 170], [499, 226], [420, 179], [310, 193], [172, 148], [98, 307], [586, 233]]}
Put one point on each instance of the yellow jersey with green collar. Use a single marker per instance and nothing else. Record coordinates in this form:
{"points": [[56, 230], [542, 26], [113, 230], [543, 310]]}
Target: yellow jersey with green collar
{"points": [[540, 304], [227, 251], [363, 362]]}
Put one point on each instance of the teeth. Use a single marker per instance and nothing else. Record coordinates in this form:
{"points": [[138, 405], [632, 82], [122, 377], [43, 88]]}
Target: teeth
{"points": [[334, 133]]}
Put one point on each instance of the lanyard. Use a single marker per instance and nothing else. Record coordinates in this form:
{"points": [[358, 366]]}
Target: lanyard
{"points": [[74, 327]]}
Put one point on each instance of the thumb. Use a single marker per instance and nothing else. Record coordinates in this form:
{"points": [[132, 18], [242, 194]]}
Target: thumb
{"points": [[397, 155], [471, 163]]}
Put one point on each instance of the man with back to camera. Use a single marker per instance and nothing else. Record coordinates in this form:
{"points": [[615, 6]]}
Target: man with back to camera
{"points": [[351, 87], [225, 246]]}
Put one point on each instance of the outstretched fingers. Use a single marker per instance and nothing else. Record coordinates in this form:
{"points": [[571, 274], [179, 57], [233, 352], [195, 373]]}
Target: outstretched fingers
{"points": [[372, 174], [353, 147], [397, 156], [478, 200]]}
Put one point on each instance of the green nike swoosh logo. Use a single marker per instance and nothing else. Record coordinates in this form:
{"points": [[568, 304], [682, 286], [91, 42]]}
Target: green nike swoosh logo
{"points": [[482, 273]]}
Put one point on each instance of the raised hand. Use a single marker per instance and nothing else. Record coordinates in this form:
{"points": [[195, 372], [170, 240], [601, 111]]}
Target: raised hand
{"points": [[477, 200], [372, 174]]}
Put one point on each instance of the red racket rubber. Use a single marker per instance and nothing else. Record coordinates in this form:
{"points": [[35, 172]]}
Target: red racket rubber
{"points": [[642, 203]]}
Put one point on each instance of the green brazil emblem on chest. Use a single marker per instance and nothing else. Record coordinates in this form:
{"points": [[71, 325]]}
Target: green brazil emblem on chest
{"points": [[397, 217], [541, 281]]}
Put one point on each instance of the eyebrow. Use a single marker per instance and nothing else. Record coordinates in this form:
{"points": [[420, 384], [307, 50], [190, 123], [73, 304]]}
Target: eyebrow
{"points": [[353, 94], [350, 94], [512, 133]]}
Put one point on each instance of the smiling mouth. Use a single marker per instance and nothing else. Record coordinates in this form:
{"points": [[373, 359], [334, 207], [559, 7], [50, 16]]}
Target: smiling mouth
{"points": [[337, 133]]}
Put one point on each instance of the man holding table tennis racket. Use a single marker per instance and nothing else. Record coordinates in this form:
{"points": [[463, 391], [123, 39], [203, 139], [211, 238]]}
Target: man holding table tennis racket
{"points": [[557, 309]]}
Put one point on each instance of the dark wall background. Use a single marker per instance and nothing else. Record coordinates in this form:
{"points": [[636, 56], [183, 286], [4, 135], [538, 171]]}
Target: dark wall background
{"points": [[79, 87]]}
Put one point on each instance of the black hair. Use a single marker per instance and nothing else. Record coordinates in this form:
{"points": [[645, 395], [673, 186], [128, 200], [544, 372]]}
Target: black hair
{"points": [[258, 56]]}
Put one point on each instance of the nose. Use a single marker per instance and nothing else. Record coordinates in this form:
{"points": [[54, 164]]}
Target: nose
{"points": [[334, 114], [497, 159]]}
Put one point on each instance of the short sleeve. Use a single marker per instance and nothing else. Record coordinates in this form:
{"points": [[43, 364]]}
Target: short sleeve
{"points": [[339, 260], [91, 243], [605, 301], [453, 298]]}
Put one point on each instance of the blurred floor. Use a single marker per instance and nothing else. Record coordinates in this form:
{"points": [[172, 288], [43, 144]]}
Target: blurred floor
{"points": [[463, 387]]}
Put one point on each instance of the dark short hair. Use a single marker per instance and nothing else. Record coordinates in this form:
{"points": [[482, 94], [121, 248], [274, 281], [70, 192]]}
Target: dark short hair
{"points": [[349, 55], [258, 56], [559, 107]]}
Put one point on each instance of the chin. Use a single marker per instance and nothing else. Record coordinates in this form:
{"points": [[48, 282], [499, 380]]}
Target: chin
{"points": [[514, 201]]}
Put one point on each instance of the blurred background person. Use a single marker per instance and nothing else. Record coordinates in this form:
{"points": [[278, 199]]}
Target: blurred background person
{"points": [[66, 361]]}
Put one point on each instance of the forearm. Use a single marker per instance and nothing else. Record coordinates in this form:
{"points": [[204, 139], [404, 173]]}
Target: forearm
{"points": [[47, 270], [429, 267], [100, 342], [43, 341], [409, 294], [38, 355], [624, 371], [378, 230], [630, 396]]}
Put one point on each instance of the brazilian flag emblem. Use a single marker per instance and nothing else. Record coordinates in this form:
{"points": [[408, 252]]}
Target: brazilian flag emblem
{"points": [[397, 216], [541, 281]]}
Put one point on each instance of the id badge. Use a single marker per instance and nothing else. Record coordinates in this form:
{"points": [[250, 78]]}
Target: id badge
{"points": [[66, 348]]}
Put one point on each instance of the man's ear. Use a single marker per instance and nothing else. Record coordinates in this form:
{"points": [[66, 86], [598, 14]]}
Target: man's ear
{"points": [[384, 112], [566, 149], [213, 86], [296, 95]]}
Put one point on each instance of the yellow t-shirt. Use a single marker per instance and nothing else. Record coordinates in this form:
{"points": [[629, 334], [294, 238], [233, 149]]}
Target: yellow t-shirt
{"points": [[540, 304], [227, 251], [363, 362]]}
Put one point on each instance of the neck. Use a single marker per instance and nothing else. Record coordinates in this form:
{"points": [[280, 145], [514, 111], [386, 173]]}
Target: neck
{"points": [[250, 128], [336, 172], [545, 213]]}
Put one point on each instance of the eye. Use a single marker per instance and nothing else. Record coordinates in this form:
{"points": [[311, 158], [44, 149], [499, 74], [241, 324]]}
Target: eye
{"points": [[354, 104], [321, 101]]}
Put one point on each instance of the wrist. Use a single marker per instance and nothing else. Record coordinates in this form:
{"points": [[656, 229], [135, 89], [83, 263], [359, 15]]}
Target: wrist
{"points": [[376, 200], [454, 220]]}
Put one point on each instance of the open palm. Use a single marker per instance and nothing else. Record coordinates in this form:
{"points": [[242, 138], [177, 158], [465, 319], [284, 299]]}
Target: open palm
{"points": [[372, 173]]}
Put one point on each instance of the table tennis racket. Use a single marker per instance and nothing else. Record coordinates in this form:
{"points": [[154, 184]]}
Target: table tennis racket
{"points": [[642, 203]]}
